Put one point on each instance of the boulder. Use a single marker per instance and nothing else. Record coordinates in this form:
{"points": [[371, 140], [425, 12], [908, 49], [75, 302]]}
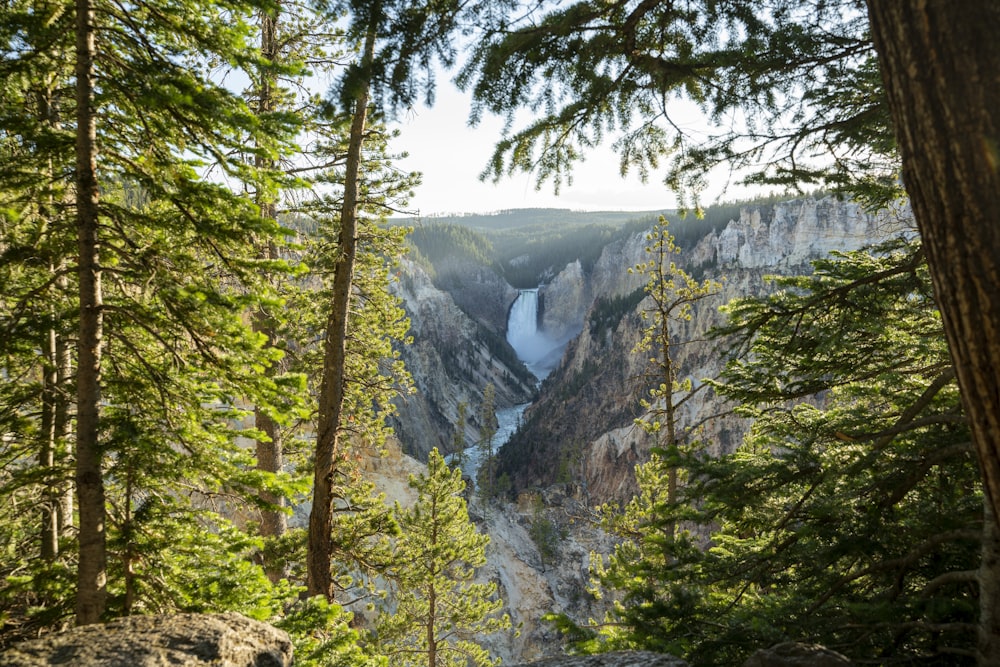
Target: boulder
{"points": [[613, 659], [181, 640], [797, 654]]}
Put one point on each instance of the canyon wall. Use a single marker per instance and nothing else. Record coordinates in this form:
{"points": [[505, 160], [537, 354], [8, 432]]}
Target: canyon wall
{"points": [[581, 430], [578, 444]]}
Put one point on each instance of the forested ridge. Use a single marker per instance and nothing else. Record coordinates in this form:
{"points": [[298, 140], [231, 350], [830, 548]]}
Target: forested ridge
{"points": [[178, 368], [528, 247]]}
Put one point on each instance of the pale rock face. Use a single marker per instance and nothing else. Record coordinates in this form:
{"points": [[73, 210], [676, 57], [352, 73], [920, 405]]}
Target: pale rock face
{"points": [[797, 232], [532, 584], [565, 302], [611, 276]]}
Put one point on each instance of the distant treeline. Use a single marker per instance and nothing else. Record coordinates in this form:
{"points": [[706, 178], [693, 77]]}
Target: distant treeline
{"points": [[529, 247], [530, 217]]}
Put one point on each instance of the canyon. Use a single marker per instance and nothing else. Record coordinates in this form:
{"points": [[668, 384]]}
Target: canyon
{"points": [[576, 444]]}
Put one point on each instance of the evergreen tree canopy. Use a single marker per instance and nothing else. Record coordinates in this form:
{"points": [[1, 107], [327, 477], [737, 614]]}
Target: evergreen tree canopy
{"points": [[791, 88]]}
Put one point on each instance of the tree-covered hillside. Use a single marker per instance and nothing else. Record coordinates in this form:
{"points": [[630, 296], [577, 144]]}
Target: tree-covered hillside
{"points": [[529, 247]]}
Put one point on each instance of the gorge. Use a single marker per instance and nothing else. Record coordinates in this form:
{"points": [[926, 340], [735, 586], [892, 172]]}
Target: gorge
{"points": [[576, 444]]}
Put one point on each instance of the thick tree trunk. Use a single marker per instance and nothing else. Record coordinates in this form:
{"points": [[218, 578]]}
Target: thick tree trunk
{"points": [[331, 400], [942, 75], [92, 570]]}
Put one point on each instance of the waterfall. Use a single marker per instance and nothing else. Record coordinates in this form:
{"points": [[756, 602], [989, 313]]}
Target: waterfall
{"points": [[539, 352], [522, 324]]}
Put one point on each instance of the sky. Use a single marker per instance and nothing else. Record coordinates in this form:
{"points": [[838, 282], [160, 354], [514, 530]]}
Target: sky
{"points": [[451, 155]]}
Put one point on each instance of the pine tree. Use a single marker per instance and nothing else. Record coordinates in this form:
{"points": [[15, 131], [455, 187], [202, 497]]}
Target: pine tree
{"points": [[487, 431], [440, 615], [672, 293], [397, 45]]}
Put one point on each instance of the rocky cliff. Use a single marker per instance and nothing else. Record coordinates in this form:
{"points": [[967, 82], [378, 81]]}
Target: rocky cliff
{"points": [[452, 357]]}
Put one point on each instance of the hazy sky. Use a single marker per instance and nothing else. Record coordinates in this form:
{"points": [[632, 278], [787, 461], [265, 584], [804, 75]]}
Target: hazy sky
{"points": [[451, 155]]}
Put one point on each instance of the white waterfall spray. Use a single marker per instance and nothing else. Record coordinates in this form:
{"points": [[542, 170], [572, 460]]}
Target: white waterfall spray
{"points": [[539, 352]]}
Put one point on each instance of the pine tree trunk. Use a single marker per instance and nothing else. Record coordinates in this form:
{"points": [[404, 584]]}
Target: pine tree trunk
{"points": [[431, 637], [943, 82], [331, 400], [63, 422], [92, 570], [53, 383], [270, 457], [47, 456]]}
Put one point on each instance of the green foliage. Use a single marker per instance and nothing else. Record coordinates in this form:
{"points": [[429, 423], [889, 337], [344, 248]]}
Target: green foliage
{"points": [[458, 439], [487, 430], [545, 533], [539, 218], [440, 615], [784, 85], [442, 244], [607, 312], [528, 247], [323, 637], [852, 514], [530, 256]]}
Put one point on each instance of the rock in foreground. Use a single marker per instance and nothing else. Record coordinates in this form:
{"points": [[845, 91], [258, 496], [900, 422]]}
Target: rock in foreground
{"points": [[181, 640]]}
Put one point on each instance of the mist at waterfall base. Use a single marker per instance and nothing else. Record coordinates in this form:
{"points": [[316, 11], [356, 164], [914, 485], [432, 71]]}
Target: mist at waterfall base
{"points": [[538, 352]]}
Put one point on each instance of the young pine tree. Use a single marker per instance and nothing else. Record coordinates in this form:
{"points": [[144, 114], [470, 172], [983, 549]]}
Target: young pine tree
{"points": [[440, 615], [487, 430]]}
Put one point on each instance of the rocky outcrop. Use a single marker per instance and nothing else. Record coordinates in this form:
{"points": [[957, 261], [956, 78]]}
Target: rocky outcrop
{"points": [[614, 659], [791, 234], [611, 277], [796, 654], [182, 640]]}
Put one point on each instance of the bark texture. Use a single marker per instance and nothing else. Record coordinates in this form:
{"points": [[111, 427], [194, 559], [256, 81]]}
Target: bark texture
{"points": [[92, 570], [942, 77], [269, 450], [332, 388], [989, 592]]}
